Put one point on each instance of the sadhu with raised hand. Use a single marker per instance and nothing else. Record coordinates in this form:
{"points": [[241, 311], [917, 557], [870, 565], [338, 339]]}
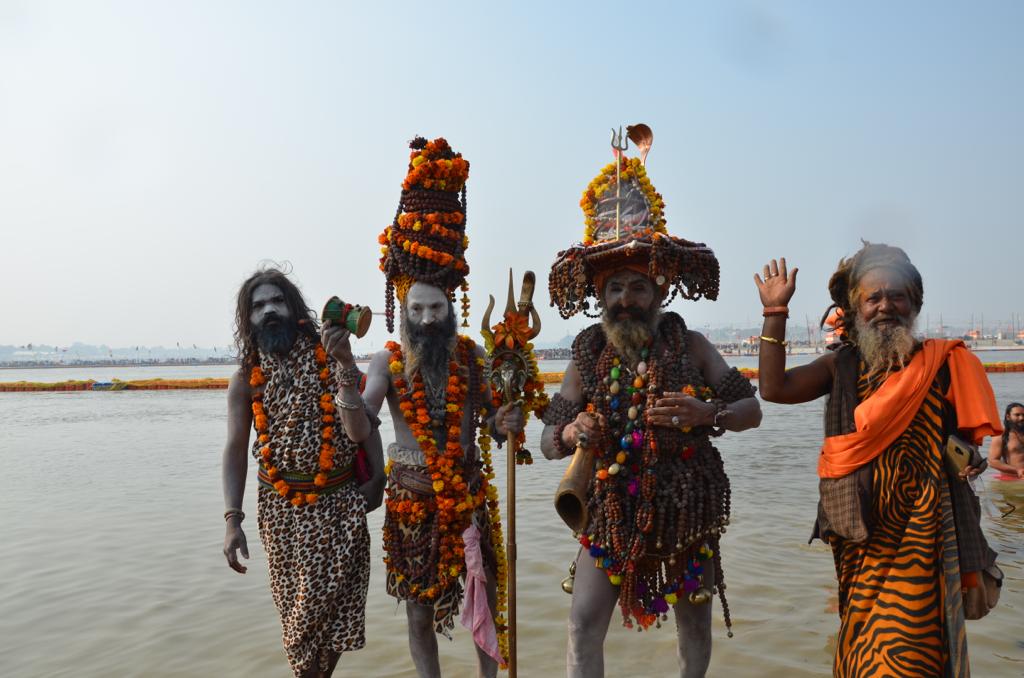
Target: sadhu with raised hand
{"points": [[902, 523]]}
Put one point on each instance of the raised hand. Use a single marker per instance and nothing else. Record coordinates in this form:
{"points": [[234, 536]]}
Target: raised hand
{"points": [[778, 285], [336, 342]]}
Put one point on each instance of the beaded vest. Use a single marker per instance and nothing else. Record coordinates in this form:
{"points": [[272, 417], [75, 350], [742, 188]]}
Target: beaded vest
{"points": [[658, 495]]}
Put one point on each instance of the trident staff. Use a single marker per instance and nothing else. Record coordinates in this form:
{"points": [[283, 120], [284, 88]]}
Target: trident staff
{"points": [[513, 375]]}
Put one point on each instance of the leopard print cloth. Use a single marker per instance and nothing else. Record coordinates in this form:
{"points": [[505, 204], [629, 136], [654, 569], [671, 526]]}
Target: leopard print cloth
{"points": [[318, 555]]}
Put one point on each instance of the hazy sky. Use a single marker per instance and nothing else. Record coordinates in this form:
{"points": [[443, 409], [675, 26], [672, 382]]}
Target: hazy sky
{"points": [[152, 153]]}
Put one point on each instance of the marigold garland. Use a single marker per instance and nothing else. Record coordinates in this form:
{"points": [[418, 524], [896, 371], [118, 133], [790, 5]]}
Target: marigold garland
{"points": [[426, 241], [453, 503], [430, 169], [327, 420], [497, 539]]}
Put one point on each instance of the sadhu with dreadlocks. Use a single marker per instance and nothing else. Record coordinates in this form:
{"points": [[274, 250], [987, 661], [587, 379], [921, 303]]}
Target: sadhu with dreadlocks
{"points": [[297, 388], [441, 513], [902, 523], [1006, 453]]}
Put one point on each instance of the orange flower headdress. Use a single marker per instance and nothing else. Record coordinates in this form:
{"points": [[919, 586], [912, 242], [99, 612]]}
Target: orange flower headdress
{"points": [[427, 240], [625, 228]]}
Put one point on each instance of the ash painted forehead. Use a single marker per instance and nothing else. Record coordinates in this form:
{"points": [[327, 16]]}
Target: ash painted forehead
{"points": [[423, 294], [266, 291]]}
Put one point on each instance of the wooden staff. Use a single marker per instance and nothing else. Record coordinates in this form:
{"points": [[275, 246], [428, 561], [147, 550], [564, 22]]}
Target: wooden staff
{"points": [[509, 366]]}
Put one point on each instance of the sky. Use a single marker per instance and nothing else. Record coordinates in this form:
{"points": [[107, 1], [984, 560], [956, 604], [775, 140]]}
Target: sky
{"points": [[152, 154]]}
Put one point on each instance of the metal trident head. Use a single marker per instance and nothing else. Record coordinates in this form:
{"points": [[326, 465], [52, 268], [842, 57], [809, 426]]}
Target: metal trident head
{"points": [[620, 141]]}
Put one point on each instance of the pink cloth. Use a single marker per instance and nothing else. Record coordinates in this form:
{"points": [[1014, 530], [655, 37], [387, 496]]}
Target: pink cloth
{"points": [[476, 614]]}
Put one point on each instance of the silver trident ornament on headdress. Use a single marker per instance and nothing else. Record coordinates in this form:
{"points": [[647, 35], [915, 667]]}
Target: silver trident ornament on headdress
{"points": [[620, 143]]}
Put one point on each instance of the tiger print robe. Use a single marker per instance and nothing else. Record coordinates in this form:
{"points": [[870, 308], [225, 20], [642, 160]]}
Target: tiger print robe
{"points": [[900, 604]]}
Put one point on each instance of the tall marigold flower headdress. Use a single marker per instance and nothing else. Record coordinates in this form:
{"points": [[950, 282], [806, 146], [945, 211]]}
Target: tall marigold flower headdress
{"points": [[624, 220], [427, 240]]}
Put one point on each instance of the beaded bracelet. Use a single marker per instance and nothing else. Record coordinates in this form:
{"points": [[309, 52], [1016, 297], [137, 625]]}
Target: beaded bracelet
{"points": [[234, 512], [775, 310], [560, 446], [349, 376]]}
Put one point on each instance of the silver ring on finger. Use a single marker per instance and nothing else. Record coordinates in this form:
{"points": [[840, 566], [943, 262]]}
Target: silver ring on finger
{"points": [[675, 420]]}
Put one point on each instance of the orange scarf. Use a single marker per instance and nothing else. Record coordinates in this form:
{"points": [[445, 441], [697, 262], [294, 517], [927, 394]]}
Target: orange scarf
{"points": [[888, 412]]}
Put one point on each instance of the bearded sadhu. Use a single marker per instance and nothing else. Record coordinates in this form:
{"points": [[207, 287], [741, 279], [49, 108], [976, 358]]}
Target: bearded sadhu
{"points": [[643, 395], [895, 507], [438, 531]]}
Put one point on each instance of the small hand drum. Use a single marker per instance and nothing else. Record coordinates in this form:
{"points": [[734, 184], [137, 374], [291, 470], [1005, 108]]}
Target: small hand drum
{"points": [[353, 317]]}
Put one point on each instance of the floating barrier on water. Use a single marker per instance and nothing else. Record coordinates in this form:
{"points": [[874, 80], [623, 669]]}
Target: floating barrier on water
{"points": [[116, 385], [208, 384]]}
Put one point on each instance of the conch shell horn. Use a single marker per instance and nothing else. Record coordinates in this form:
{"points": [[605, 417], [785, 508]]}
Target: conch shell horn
{"points": [[642, 137]]}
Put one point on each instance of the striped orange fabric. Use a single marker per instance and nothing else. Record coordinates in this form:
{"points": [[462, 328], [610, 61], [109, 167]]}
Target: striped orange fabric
{"points": [[883, 417], [896, 619]]}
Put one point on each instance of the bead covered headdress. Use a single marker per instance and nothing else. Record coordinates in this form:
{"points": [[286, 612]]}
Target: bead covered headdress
{"points": [[625, 228], [427, 240]]}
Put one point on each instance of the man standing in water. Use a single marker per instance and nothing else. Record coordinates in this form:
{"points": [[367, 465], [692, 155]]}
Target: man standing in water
{"points": [[299, 390], [904, 531], [646, 394], [1006, 453], [437, 529]]}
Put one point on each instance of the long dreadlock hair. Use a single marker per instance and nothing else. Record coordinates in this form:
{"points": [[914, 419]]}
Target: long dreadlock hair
{"points": [[245, 331], [844, 285], [1006, 422]]}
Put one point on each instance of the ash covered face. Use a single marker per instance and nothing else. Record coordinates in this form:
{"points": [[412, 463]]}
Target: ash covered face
{"points": [[631, 312], [274, 324], [428, 330]]}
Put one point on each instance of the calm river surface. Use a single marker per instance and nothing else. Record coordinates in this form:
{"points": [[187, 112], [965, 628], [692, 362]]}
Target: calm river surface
{"points": [[112, 560]]}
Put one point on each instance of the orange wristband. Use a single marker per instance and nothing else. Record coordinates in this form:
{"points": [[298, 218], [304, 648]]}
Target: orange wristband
{"points": [[775, 310]]}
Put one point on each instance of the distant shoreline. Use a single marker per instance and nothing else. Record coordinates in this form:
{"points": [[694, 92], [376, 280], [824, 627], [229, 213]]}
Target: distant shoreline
{"points": [[558, 355], [107, 363]]}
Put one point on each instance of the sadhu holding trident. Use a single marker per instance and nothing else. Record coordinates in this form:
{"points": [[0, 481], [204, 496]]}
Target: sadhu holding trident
{"points": [[895, 506], [646, 492], [441, 516]]}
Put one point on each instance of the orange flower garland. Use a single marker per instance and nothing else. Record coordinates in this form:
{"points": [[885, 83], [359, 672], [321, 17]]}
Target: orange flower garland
{"points": [[429, 170], [327, 419], [453, 503], [497, 538], [390, 235]]}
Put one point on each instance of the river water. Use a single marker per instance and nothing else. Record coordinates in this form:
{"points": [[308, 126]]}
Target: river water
{"points": [[112, 562]]}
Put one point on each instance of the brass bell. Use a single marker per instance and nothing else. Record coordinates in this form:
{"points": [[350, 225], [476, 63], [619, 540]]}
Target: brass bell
{"points": [[700, 596], [568, 581]]}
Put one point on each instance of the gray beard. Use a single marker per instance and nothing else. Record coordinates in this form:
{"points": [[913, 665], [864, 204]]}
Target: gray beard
{"points": [[887, 348], [629, 336]]}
